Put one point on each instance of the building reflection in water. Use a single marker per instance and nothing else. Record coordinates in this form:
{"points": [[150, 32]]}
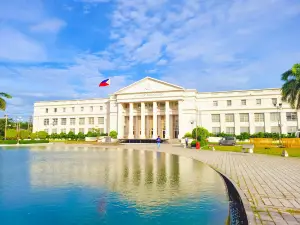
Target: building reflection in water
{"points": [[144, 177]]}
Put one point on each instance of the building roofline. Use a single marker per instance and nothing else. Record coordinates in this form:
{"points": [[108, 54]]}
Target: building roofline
{"points": [[264, 89], [70, 100]]}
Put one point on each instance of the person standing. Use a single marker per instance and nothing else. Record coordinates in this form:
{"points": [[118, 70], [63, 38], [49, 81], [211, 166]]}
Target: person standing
{"points": [[158, 141], [186, 142]]}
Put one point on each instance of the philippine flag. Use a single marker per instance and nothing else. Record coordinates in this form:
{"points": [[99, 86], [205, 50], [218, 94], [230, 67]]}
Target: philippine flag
{"points": [[104, 83]]}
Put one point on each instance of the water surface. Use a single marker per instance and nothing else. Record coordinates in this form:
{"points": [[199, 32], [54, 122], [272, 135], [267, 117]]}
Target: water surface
{"points": [[60, 185]]}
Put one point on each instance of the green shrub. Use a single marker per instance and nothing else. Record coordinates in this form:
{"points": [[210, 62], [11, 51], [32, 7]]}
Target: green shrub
{"points": [[8, 142], [33, 141], [11, 134], [243, 136], [188, 135], [202, 133], [72, 135], [193, 144], [42, 135], [24, 134], [113, 134], [80, 136], [92, 134], [33, 136], [104, 134]]}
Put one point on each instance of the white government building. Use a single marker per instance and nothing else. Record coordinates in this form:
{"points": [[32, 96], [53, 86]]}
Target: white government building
{"points": [[151, 107]]}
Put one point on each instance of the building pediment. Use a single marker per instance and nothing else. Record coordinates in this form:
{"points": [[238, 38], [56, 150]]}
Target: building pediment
{"points": [[149, 84]]}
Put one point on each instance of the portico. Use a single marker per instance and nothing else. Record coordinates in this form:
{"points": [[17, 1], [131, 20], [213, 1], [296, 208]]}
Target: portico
{"points": [[147, 109], [140, 120]]}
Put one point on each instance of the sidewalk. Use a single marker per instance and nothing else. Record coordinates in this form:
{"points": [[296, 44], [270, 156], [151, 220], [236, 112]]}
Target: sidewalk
{"points": [[270, 184]]}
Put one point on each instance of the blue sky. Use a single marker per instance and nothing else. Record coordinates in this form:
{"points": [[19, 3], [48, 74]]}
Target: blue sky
{"points": [[62, 49]]}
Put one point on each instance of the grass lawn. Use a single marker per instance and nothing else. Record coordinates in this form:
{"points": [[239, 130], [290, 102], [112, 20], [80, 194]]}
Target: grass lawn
{"points": [[293, 152]]}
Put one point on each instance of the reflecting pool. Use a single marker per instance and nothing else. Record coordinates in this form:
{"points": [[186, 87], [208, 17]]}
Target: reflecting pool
{"points": [[62, 185]]}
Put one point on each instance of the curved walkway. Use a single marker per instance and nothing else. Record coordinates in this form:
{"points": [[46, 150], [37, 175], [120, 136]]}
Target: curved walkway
{"points": [[269, 185]]}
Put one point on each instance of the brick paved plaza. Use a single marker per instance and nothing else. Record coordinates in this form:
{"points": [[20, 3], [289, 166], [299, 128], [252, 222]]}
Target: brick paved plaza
{"points": [[269, 185]]}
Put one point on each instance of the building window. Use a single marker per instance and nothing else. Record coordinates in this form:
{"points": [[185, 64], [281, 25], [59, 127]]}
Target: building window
{"points": [[274, 117], [101, 130], [73, 109], [229, 130], [275, 129], [229, 117], [63, 130], [91, 108], [91, 120], [100, 120], [228, 102], [90, 129], [72, 130], [259, 117], [258, 101], [46, 122], [64, 109], [291, 116], [47, 110], [215, 103], [55, 110], [243, 102], [82, 109], [244, 130], [81, 130], [101, 107], [216, 130], [215, 118], [291, 130], [54, 131], [72, 121], [274, 101], [81, 121], [259, 129], [63, 121], [55, 122], [244, 117]]}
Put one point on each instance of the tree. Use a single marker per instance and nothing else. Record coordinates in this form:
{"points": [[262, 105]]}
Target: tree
{"points": [[42, 134], [113, 134], [11, 134], [202, 135], [188, 135], [63, 135], [291, 88], [24, 134], [2, 100]]}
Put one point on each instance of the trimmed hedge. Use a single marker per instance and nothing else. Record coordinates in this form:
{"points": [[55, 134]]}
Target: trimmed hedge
{"points": [[33, 141], [8, 142]]}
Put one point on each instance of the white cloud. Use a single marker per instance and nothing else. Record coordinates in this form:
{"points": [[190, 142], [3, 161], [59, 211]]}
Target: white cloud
{"points": [[50, 25], [18, 47]]}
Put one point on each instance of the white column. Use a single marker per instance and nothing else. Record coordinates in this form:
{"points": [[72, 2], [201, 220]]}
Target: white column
{"points": [[267, 123], [154, 120], [222, 122], [237, 127], [120, 121], [130, 134], [251, 123], [167, 120], [283, 122], [143, 120], [180, 119], [298, 120]]}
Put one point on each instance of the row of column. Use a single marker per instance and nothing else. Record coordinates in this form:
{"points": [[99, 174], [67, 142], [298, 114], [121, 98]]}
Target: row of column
{"points": [[121, 120]]}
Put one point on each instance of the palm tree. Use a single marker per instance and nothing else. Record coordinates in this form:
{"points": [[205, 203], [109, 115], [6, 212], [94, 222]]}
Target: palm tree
{"points": [[2, 100], [291, 88]]}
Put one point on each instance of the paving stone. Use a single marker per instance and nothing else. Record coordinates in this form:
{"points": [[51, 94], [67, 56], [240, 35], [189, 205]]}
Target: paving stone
{"points": [[265, 216], [269, 181]]}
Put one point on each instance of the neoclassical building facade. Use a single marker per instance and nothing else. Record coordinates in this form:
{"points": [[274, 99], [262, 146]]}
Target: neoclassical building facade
{"points": [[149, 108]]}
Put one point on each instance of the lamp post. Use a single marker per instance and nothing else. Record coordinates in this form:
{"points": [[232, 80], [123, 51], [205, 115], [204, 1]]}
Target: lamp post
{"points": [[279, 108], [5, 128]]}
